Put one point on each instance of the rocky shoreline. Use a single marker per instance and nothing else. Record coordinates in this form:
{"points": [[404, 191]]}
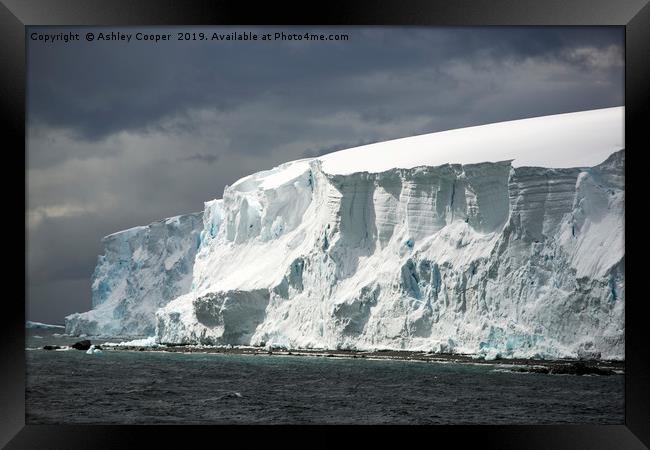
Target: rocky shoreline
{"points": [[551, 367]]}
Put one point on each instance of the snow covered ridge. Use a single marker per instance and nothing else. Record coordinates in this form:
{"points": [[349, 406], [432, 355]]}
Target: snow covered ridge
{"points": [[453, 242], [141, 270]]}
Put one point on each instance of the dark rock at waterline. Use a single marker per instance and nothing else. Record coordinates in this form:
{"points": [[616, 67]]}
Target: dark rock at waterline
{"points": [[575, 368], [81, 345], [580, 368], [51, 347], [532, 369]]}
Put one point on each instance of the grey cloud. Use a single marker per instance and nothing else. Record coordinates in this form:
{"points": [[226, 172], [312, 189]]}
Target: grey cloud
{"points": [[48, 145], [100, 88], [65, 248], [199, 157], [51, 302]]}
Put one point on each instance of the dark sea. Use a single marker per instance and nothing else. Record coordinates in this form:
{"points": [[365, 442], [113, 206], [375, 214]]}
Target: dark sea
{"points": [[66, 387]]}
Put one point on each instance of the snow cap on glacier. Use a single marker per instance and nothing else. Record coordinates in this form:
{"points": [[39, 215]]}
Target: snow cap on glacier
{"points": [[579, 139]]}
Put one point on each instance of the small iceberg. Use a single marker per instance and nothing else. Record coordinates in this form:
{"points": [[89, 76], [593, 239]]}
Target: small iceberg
{"points": [[144, 342], [94, 350]]}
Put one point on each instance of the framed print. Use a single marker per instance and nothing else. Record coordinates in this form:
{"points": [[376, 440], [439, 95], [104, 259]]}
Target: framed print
{"points": [[312, 220]]}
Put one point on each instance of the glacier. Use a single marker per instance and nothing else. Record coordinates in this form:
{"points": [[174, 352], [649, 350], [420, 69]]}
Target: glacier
{"points": [[502, 240], [142, 269]]}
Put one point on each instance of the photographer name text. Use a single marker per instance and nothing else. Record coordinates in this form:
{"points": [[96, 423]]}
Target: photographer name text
{"points": [[235, 36]]}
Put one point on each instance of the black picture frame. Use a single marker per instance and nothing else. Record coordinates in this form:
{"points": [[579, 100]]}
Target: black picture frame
{"points": [[634, 15]]}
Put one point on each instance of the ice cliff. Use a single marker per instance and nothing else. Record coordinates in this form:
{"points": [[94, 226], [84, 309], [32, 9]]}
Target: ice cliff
{"points": [[500, 240], [142, 269]]}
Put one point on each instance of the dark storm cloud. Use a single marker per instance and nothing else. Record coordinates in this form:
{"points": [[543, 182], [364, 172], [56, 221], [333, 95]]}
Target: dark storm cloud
{"points": [[122, 134], [102, 87]]}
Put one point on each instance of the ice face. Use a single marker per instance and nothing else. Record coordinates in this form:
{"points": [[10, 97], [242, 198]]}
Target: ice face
{"points": [[491, 258], [484, 258], [142, 269]]}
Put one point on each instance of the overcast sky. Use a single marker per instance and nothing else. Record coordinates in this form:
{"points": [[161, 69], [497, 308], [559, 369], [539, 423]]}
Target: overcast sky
{"points": [[122, 134]]}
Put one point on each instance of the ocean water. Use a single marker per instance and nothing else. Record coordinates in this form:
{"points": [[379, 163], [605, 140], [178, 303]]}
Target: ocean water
{"points": [[192, 388]]}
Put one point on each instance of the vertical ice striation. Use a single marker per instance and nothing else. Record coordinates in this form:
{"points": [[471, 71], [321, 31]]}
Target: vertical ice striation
{"points": [[141, 270]]}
